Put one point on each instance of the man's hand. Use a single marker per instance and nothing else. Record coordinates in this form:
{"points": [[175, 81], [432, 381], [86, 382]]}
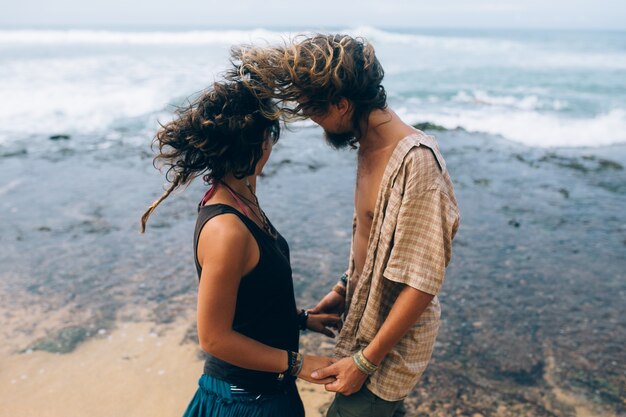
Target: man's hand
{"points": [[332, 303], [349, 379], [311, 363], [323, 323]]}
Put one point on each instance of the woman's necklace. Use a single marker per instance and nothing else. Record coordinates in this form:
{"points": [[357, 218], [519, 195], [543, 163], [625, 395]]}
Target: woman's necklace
{"points": [[266, 223], [262, 218]]}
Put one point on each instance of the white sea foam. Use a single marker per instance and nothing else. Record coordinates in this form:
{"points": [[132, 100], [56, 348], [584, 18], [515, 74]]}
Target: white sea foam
{"points": [[526, 102], [88, 94], [531, 127]]}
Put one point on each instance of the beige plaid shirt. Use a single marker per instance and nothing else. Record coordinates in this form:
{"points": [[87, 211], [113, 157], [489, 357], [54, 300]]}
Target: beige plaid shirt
{"points": [[410, 243]]}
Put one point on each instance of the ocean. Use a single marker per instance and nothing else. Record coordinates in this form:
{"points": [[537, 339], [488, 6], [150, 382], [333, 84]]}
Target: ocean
{"points": [[541, 89], [533, 128]]}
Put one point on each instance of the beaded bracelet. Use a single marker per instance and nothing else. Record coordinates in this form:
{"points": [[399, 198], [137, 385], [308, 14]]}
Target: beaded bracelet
{"points": [[291, 362], [294, 365], [298, 365], [363, 363]]}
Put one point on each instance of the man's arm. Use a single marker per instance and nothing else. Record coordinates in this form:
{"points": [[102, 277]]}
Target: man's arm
{"points": [[404, 313]]}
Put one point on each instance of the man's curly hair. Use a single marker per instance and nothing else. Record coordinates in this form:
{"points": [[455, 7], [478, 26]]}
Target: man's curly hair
{"points": [[313, 72], [221, 132]]}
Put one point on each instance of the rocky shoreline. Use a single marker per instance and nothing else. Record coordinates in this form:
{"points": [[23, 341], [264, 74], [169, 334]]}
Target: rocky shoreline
{"points": [[532, 313]]}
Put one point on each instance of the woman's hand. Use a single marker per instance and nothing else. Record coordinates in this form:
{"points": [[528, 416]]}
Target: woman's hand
{"points": [[332, 303], [313, 363], [323, 323]]}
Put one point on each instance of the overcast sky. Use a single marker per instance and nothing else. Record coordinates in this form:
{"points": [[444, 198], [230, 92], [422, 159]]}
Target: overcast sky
{"points": [[180, 14]]}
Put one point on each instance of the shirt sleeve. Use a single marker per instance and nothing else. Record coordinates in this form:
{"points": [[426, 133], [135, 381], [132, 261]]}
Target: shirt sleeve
{"points": [[422, 241]]}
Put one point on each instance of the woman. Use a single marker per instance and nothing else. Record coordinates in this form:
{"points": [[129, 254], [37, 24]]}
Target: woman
{"points": [[248, 322]]}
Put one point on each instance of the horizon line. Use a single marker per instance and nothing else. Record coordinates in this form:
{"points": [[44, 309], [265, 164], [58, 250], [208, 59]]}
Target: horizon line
{"points": [[155, 27]]}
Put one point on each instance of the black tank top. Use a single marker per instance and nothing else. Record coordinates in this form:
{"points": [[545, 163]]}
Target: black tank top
{"points": [[266, 305]]}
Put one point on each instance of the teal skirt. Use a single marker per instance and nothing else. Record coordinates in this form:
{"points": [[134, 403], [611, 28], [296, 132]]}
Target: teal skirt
{"points": [[217, 398]]}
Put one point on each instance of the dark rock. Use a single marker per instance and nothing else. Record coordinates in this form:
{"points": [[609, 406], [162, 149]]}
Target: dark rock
{"points": [[63, 341], [526, 376], [604, 164], [585, 164], [19, 152], [429, 126], [60, 137], [514, 223]]}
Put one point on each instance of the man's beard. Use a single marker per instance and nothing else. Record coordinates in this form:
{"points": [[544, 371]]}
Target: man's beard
{"points": [[339, 140]]}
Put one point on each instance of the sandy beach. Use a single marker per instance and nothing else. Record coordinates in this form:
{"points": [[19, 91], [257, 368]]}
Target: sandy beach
{"points": [[138, 369]]}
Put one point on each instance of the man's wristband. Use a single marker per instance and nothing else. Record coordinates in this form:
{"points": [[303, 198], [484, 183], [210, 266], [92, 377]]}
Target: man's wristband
{"points": [[344, 280], [363, 363], [340, 289]]}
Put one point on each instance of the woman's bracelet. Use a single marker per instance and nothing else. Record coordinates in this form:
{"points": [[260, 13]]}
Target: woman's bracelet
{"points": [[298, 365], [294, 365], [363, 363], [303, 317]]}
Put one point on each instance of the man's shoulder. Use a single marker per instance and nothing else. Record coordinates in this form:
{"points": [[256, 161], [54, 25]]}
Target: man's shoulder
{"points": [[423, 166], [423, 156], [423, 148]]}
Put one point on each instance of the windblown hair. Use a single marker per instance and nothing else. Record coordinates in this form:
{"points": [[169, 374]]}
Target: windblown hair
{"points": [[221, 132], [315, 72]]}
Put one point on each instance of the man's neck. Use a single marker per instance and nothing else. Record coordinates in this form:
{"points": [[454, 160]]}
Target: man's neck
{"points": [[382, 130]]}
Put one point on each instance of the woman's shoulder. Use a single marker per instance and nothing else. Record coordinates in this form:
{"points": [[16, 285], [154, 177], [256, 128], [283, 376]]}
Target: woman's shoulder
{"points": [[224, 223]]}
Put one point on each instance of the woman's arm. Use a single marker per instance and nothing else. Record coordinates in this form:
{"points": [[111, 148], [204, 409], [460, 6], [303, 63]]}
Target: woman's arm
{"points": [[227, 251]]}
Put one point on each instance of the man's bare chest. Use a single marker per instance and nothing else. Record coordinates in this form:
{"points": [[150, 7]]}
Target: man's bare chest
{"points": [[370, 174]]}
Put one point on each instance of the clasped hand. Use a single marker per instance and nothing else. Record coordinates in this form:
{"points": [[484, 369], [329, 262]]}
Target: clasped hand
{"points": [[344, 377]]}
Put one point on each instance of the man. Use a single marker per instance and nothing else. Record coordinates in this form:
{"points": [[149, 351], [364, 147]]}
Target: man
{"points": [[405, 217]]}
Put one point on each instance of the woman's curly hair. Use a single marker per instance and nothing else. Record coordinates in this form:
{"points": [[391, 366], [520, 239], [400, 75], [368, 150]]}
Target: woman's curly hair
{"points": [[314, 72], [221, 132]]}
